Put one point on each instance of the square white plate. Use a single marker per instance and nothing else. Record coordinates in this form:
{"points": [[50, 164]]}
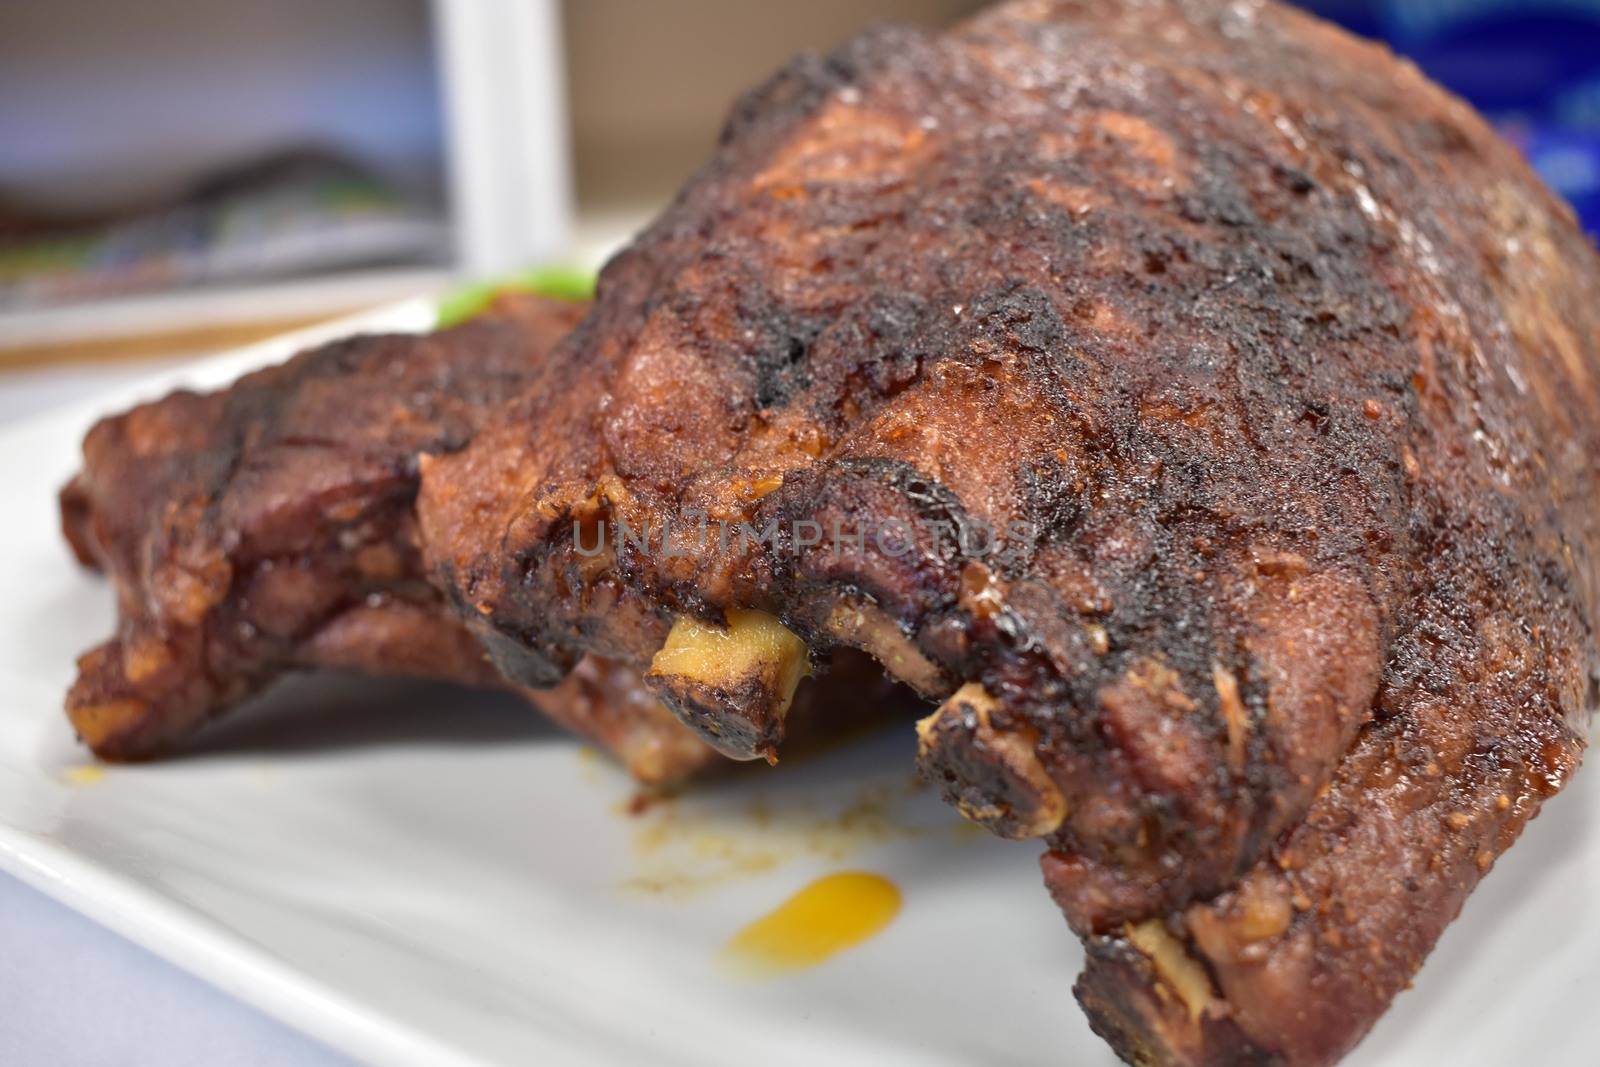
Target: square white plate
{"points": [[419, 875]]}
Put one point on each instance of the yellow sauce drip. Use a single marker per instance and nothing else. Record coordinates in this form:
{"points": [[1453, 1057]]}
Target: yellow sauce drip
{"points": [[832, 914], [88, 774]]}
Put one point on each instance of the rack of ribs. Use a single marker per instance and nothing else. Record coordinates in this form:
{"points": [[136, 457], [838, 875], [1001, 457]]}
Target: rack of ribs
{"points": [[1193, 399], [269, 527]]}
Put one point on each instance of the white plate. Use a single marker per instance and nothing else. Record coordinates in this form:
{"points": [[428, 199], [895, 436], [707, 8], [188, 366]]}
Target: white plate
{"points": [[419, 875]]}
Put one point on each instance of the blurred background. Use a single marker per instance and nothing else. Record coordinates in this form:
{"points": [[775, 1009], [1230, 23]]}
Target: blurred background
{"points": [[180, 175]]}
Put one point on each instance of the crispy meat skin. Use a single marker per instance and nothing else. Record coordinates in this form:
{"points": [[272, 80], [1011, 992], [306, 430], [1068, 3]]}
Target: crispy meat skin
{"points": [[1290, 361], [270, 527]]}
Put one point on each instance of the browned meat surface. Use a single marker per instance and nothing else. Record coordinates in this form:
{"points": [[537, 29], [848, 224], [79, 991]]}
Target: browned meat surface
{"points": [[270, 527], [1274, 365], [1301, 956]]}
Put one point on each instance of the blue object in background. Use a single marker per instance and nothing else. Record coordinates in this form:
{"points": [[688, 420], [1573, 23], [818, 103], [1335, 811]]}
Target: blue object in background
{"points": [[1531, 66]]}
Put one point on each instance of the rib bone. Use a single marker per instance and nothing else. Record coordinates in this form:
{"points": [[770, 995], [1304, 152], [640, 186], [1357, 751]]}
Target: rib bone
{"points": [[731, 684], [991, 775]]}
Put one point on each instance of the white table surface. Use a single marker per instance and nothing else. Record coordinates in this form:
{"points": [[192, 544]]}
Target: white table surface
{"points": [[73, 994]]}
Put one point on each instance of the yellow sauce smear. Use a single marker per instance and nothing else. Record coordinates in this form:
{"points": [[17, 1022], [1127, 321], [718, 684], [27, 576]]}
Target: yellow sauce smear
{"points": [[87, 774], [828, 916]]}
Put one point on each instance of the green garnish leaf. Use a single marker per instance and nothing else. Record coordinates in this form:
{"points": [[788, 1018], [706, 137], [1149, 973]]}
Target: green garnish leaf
{"points": [[562, 283]]}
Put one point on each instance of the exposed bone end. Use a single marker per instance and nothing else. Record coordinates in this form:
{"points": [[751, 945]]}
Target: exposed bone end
{"points": [[1153, 1001], [992, 775], [114, 722], [1179, 972], [867, 627], [103, 725], [731, 685]]}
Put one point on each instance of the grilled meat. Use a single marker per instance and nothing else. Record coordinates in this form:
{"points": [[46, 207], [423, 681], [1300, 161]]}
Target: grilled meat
{"points": [[1296, 961], [269, 527], [1195, 399]]}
